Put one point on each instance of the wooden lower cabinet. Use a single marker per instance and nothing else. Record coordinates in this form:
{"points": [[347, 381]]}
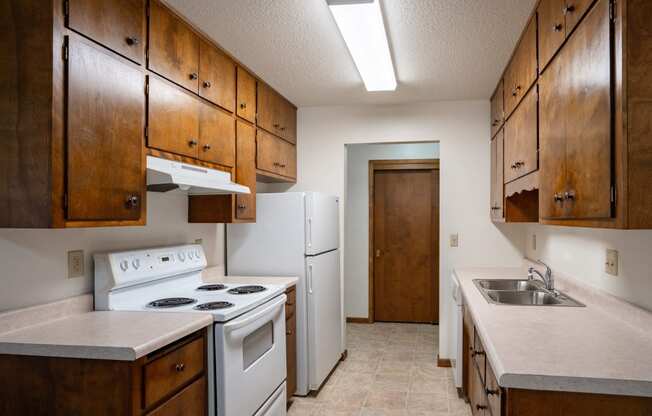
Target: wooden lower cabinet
{"points": [[487, 398], [170, 381], [291, 341]]}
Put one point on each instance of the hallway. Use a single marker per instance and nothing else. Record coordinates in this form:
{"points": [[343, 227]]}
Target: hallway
{"points": [[391, 370]]}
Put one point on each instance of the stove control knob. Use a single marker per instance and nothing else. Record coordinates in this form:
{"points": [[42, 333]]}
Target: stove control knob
{"points": [[190, 256], [197, 254], [136, 263], [124, 265], [182, 256]]}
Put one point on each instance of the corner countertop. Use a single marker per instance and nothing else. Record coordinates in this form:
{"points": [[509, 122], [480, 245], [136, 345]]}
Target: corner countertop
{"points": [[216, 274], [103, 335], [578, 349]]}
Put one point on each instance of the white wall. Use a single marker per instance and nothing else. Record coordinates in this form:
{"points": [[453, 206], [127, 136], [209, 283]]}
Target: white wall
{"points": [[34, 262], [356, 215], [462, 130], [581, 253]]}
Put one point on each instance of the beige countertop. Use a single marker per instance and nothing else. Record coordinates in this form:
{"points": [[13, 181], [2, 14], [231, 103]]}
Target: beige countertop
{"points": [[216, 274], [586, 349], [106, 335]]}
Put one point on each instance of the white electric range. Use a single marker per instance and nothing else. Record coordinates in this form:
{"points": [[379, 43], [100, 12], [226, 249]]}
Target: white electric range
{"points": [[247, 368]]}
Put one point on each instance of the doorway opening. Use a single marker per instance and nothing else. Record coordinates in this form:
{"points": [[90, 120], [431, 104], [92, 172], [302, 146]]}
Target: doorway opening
{"points": [[404, 240]]}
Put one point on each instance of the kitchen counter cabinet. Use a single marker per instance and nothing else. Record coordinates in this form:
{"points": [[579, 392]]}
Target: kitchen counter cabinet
{"points": [[291, 341]]}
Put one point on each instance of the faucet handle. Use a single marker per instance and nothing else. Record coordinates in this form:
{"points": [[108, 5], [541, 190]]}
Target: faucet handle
{"points": [[548, 269]]}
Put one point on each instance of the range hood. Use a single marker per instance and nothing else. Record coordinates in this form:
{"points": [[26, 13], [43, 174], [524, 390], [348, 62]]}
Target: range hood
{"points": [[166, 175]]}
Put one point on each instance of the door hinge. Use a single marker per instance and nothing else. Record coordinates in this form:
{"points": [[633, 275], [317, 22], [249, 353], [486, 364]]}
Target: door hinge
{"points": [[66, 8], [612, 10]]}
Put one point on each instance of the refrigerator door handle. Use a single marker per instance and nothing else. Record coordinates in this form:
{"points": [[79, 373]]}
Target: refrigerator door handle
{"points": [[309, 231], [310, 279]]}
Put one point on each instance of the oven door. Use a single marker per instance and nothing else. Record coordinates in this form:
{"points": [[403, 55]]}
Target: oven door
{"points": [[250, 358]]}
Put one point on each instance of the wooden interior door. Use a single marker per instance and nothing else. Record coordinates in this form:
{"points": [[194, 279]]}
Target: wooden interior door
{"points": [[105, 125], [245, 173], [405, 245]]}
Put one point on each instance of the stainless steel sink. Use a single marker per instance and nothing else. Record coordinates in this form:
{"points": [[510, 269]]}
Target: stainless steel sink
{"points": [[522, 293], [504, 284]]}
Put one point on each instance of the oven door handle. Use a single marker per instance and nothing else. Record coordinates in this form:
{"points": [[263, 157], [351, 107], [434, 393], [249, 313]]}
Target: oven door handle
{"points": [[268, 311]]}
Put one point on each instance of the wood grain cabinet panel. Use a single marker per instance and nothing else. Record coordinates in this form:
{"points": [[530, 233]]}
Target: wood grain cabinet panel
{"points": [[117, 24], [275, 155], [497, 109], [190, 401], [291, 341], [276, 114], [216, 76], [105, 120], [573, 11], [497, 177], [552, 29], [216, 136], [173, 119], [521, 139], [522, 70], [246, 95], [246, 171], [173, 48]]}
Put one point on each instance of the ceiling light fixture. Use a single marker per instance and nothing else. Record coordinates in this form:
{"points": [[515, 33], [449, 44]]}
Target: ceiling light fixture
{"points": [[362, 27]]}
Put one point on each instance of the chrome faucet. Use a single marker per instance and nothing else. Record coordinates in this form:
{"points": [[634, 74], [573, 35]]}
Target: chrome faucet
{"points": [[547, 278]]}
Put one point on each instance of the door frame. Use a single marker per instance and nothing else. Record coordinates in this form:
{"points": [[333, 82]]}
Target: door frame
{"points": [[398, 164]]}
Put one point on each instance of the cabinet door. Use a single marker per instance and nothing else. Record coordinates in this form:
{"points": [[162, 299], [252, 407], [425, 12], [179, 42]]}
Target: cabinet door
{"points": [[173, 48], [493, 392], [588, 131], [173, 119], [552, 29], [105, 124], [522, 70], [290, 124], [245, 173], [497, 109], [291, 355], [573, 11], [497, 176], [275, 155], [216, 136], [216, 76], [117, 24], [246, 93], [521, 135], [477, 397], [268, 109]]}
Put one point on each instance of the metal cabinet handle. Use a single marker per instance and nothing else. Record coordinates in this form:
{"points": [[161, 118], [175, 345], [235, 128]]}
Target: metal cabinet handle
{"points": [[180, 367], [242, 206], [569, 195], [474, 353], [207, 84], [569, 8], [557, 27], [207, 147], [480, 406], [288, 332], [243, 105], [192, 142], [132, 201], [492, 392], [193, 75], [276, 125], [558, 197], [132, 40]]}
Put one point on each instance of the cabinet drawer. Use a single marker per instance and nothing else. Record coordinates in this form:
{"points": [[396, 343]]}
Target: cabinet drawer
{"points": [[190, 401], [118, 24], [290, 304], [275, 155], [521, 139], [479, 356], [494, 394], [166, 374]]}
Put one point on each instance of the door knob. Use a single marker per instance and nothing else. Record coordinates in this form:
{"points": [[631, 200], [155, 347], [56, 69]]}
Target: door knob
{"points": [[207, 84], [192, 142], [569, 8], [132, 201], [243, 105], [193, 75], [557, 27]]}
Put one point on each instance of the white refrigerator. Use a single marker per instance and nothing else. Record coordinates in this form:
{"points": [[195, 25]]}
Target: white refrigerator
{"points": [[297, 234]]}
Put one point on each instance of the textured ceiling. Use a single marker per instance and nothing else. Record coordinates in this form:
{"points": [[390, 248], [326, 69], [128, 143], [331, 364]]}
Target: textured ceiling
{"points": [[442, 49]]}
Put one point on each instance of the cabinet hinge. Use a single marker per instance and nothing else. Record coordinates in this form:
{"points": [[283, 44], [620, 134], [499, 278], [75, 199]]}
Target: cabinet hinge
{"points": [[66, 8], [146, 131], [147, 87], [612, 10], [65, 51], [65, 201], [613, 194]]}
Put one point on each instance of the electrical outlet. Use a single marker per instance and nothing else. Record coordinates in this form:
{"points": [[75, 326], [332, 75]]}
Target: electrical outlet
{"points": [[534, 242], [75, 263], [455, 240], [199, 241], [611, 265]]}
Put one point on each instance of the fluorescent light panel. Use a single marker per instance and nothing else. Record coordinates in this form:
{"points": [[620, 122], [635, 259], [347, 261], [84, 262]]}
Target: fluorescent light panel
{"points": [[362, 27]]}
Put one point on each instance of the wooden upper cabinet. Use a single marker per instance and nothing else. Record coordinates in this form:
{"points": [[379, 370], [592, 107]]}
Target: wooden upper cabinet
{"points": [[173, 48], [216, 76], [573, 10], [497, 109], [105, 125], [497, 177], [245, 173], [276, 114], [522, 70], [173, 119], [275, 155], [216, 136], [552, 29], [246, 95], [119, 24], [291, 123], [521, 139], [576, 128]]}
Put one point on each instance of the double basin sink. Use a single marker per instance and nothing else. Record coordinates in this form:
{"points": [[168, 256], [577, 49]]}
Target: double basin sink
{"points": [[521, 292]]}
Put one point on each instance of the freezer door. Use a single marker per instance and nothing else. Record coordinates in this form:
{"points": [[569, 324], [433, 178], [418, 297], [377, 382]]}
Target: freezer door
{"points": [[324, 316], [322, 223]]}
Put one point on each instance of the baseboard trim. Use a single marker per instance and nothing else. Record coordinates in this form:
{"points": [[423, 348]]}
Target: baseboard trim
{"points": [[354, 320], [443, 362]]}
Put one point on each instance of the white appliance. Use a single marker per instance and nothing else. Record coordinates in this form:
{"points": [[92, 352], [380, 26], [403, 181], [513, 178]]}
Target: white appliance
{"points": [[246, 356], [457, 330], [165, 175], [297, 234]]}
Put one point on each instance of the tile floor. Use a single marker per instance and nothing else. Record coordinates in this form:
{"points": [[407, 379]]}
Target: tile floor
{"points": [[391, 370]]}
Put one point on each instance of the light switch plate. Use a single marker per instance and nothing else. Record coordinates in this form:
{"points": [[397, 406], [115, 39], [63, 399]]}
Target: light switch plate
{"points": [[75, 263], [455, 240], [611, 264]]}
